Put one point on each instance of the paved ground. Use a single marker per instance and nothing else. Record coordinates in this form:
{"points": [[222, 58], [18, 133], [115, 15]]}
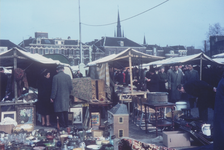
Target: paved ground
{"points": [[138, 134]]}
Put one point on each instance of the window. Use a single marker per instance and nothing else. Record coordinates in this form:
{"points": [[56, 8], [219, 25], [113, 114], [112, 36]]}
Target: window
{"points": [[86, 52], [120, 120], [120, 133], [36, 50], [56, 51], [51, 51], [77, 52], [46, 51], [41, 51]]}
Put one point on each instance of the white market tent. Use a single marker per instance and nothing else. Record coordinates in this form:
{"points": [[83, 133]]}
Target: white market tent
{"points": [[125, 59], [218, 56], [196, 59], [32, 63], [219, 60]]}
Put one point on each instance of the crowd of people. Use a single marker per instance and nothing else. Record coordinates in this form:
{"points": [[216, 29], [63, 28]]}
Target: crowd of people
{"points": [[168, 78]]}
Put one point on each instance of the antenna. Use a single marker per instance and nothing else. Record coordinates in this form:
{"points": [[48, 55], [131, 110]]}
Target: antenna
{"points": [[80, 42]]}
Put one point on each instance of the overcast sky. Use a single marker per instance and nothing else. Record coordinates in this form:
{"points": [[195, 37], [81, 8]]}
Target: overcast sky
{"points": [[176, 22]]}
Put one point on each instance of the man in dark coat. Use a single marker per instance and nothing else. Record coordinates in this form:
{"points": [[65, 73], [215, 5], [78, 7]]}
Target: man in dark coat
{"points": [[61, 90], [152, 80], [190, 76], [174, 79], [219, 116], [205, 94]]}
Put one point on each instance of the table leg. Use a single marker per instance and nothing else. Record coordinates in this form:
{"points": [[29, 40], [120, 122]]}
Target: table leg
{"points": [[90, 116], [156, 121], [172, 108], [146, 129]]}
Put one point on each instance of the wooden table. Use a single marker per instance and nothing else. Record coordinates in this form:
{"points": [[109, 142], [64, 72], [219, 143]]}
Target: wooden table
{"points": [[122, 97], [159, 109], [98, 104]]}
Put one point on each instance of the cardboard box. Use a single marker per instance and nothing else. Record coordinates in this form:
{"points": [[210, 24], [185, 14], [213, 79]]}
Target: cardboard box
{"points": [[176, 139], [97, 133], [7, 128], [24, 127]]}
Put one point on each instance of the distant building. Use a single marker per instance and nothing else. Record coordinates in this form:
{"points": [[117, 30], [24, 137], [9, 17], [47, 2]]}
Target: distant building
{"points": [[7, 45], [168, 51], [191, 50], [42, 45], [216, 45], [113, 45]]}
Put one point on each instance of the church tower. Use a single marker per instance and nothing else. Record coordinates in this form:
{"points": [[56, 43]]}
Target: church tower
{"points": [[118, 26]]}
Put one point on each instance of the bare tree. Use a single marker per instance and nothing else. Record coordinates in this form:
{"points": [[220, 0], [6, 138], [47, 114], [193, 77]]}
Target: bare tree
{"points": [[215, 29]]}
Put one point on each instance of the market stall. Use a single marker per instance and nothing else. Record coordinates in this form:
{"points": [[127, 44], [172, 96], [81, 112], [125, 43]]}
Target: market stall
{"points": [[27, 66], [125, 59], [196, 59]]}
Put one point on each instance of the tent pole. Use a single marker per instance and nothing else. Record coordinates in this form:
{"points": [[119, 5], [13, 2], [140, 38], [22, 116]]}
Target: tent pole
{"points": [[14, 67], [201, 68], [130, 71]]}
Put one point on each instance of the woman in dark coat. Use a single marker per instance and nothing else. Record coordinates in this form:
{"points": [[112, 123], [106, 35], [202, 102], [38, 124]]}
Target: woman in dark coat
{"points": [[44, 106]]}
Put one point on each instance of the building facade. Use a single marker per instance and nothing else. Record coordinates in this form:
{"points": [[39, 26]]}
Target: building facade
{"points": [[216, 45], [6, 45], [113, 45], [42, 45], [168, 51]]}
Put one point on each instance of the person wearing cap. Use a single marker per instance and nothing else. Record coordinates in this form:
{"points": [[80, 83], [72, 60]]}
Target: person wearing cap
{"points": [[61, 90]]}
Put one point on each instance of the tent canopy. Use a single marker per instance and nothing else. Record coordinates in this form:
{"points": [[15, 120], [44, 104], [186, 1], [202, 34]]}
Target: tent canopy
{"points": [[23, 58], [218, 56], [191, 59], [122, 59], [31, 63]]}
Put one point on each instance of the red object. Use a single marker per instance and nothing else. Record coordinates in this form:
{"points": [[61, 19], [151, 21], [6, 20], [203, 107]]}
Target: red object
{"points": [[123, 77]]}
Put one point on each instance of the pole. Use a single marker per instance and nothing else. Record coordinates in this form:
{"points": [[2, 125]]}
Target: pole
{"points": [[14, 67], [130, 67], [80, 43], [201, 68]]}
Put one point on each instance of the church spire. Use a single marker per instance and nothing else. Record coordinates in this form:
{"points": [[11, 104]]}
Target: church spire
{"points": [[144, 41], [118, 26]]}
